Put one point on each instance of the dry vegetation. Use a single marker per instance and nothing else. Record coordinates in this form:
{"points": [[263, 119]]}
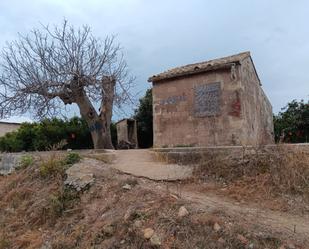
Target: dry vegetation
{"points": [[279, 177], [38, 210]]}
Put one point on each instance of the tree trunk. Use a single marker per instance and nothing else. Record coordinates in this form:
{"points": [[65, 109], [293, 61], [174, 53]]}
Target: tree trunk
{"points": [[100, 134], [98, 126], [106, 109]]}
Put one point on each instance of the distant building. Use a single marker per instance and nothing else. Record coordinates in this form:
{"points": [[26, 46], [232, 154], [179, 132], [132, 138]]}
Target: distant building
{"points": [[127, 133], [6, 127], [217, 102]]}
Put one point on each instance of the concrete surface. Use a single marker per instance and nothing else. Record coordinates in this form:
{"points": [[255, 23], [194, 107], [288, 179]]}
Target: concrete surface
{"points": [[141, 163]]}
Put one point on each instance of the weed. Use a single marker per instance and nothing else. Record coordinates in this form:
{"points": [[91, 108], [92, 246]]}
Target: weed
{"points": [[4, 243], [61, 201], [57, 146], [72, 158], [52, 167], [25, 161], [56, 166], [16, 197], [131, 181]]}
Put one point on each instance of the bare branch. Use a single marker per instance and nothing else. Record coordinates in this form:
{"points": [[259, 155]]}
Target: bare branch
{"points": [[60, 64]]}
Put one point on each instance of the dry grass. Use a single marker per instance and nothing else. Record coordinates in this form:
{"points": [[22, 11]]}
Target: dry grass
{"points": [[30, 240], [36, 211], [279, 175], [56, 164]]}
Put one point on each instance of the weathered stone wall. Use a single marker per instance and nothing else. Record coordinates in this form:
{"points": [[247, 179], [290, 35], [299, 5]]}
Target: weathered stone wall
{"points": [[7, 127], [176, 116], [9, 161], [127, 131], [122, 130], [220, 107], [257, 108], [197, 155]]}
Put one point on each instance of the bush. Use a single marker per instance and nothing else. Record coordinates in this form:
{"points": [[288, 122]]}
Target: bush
{"points": [[46, 134], [72, 158], [11, 142], [292, 124]]}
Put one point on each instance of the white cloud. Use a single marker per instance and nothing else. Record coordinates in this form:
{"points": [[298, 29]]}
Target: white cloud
{"points": [[157, 35]]}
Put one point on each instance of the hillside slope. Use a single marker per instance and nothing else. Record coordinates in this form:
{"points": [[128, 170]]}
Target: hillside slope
{"points": [[120, 211]]}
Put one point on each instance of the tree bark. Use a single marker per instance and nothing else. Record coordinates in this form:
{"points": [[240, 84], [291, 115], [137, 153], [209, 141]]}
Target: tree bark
{"points": [[106, 109], [99, 127]]}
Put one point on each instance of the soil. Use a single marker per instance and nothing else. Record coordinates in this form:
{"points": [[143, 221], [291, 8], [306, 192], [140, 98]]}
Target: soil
{"points": [[123, 201], [140, 163]]}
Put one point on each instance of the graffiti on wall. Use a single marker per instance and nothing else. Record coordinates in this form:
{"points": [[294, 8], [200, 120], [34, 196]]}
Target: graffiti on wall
{"points": [[173, 100], [207, 99], [97, 126], [170, 104]]}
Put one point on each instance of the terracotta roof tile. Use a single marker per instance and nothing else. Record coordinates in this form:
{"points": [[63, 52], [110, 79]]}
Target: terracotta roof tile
{"points": [[199, 67]]}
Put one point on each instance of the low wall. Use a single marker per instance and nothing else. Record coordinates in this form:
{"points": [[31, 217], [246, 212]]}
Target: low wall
{"points": [[195, 155], [9, 161], [59, 152]]}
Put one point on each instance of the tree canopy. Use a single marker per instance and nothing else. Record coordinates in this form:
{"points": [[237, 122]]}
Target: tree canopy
{"points": [[292, 123], [143, 116]]}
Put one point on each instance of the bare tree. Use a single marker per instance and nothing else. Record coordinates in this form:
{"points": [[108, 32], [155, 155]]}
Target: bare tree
{"points": [[68, 65]]}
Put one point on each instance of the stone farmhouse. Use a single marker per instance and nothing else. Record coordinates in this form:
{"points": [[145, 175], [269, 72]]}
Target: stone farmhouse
{"points": [[214, 103]]}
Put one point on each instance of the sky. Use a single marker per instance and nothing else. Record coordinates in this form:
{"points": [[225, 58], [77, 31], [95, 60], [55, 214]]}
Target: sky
{"points": [[157, 35]]}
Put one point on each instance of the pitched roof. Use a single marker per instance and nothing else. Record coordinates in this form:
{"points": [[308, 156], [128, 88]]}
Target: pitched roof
{"points": [[195, 68]]}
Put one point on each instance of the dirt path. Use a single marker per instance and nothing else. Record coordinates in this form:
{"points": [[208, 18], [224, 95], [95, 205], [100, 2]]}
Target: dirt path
{"points": [[281, 223], [141, 163]]}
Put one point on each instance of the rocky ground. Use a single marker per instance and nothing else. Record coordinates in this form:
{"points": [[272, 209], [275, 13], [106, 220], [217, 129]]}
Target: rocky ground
{"points": [[51, 204]]}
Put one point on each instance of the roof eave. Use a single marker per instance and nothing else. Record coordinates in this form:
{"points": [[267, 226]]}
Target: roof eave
{"points": [[10, 123], [155, 79]]}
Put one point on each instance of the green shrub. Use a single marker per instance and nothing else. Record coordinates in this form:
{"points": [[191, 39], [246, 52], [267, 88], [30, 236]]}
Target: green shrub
{"points": [[49, 134], [45, 134], [56, 166], [291, 125], [72, 158], [25, 162], [11, 142], [53, 167]]}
